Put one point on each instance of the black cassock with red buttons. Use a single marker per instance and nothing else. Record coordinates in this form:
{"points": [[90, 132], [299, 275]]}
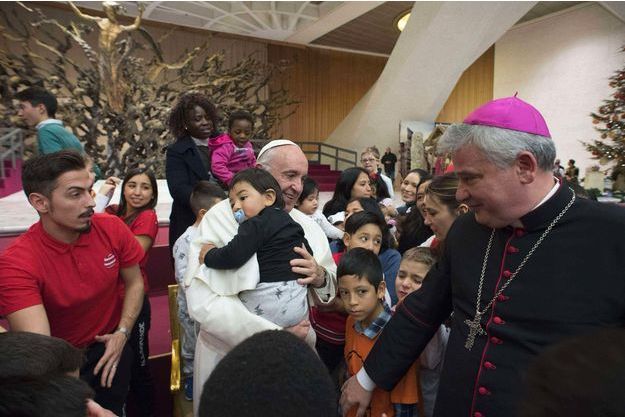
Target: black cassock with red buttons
{"points": [[572, 284]]}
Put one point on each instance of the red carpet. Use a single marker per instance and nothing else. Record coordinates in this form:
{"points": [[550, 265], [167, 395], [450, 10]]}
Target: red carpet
{"points": [[325, 177], [160, 336]]}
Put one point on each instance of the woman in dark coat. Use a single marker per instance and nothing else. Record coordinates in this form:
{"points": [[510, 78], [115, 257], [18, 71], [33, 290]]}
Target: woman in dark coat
{"points": [[193, 120]]}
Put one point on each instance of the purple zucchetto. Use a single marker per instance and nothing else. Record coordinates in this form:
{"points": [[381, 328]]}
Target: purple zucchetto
{"points": [[509, 113]]}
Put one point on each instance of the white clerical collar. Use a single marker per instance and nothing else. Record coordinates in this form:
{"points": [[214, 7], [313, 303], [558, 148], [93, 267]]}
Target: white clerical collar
{"points": [[200, 142], [48, 122], [549, 194]]}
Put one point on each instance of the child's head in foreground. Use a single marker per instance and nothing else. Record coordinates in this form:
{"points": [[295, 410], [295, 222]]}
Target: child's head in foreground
{"points": [[281, 375], [415, 265], [204, 196], [361, 285], [252, 190]]}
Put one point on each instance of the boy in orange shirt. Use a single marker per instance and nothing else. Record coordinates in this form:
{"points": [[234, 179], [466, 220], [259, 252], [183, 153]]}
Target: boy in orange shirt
{"points": [[361, 288], [415, 265]]}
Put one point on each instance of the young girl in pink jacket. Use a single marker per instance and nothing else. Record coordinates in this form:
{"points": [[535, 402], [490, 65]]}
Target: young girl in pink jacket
{"points": [[232, 152]]}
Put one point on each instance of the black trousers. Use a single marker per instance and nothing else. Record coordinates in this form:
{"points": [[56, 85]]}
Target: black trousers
{"points": [[141, 382], [113, 398]]}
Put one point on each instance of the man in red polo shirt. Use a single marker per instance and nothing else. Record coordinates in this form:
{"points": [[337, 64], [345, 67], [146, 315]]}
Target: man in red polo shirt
{"points": [[62, 277]]}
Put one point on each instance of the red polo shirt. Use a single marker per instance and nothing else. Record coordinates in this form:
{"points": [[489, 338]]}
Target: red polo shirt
{"points": [[145, 224], [78, 283]]}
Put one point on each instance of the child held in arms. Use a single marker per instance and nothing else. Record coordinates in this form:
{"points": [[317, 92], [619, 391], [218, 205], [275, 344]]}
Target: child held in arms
{"points": [[204, 196], [362, 289], [415, 265], [308, 203], [232, 152], [269, 232]]}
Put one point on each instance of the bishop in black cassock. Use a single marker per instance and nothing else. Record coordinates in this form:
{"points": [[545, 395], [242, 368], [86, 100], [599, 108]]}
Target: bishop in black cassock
{"points": [[572, 282]]}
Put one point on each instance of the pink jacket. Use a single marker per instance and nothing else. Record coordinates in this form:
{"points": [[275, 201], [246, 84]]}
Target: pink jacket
{"points": [[227, 159]]}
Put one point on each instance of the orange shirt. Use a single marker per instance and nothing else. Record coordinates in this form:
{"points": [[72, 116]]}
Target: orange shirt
{"points": [[357, 347]]}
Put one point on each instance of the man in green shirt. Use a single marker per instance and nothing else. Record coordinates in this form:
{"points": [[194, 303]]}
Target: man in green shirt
{"points": [[38, 107]]}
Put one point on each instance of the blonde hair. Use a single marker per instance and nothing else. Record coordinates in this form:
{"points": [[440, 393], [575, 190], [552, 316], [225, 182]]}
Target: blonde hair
{"points": [[372, 150], [422, 255]]}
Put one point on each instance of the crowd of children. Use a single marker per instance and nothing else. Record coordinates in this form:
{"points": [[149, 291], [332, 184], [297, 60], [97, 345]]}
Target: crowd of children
{"points": [[360, 222], [368, 291], [382, 255]]}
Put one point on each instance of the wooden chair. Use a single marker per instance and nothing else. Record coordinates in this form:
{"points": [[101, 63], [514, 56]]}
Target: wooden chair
{"points": [[182, 407]]}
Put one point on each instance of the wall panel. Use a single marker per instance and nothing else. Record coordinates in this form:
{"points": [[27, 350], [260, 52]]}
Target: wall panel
{"points": [[327, 83], [474, 87]]}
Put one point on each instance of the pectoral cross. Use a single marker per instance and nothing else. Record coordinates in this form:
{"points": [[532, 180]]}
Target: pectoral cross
{"points": [[475, 328]]}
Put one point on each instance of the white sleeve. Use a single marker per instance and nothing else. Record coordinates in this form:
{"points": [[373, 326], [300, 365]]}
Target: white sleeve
{"points": [[365, 380], [224, 317], [180, 254], [323, 255], [327, 227], [101, 201]]}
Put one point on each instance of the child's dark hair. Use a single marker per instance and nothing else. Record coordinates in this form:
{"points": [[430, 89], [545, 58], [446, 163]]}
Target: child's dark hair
{"points": [[205, 195], [579, 376], [309, 187], [40, 173], [262, 181], [123, 204], [362, 218], [182, 108], [38, 95], [372, 217], [283, 377], [363, 263], [240, 115], [50, 396], [33, 354], [368, 204]]}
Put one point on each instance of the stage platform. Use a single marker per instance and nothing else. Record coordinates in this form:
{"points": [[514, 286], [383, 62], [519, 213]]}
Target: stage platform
{"points": [[18, 215]]}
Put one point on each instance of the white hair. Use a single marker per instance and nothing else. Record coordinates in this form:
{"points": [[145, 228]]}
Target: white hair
{"points": [[500, 146]]}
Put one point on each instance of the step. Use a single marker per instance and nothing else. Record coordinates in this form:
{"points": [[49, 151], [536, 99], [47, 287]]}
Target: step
{"points": [[327, 187], [318, 166], [11, 184]]}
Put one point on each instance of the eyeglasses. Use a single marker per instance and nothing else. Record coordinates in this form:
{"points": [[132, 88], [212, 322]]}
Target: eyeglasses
{"points": [[368, 160]]}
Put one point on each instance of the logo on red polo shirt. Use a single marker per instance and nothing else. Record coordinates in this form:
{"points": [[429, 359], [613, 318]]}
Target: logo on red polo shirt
{"points": [[110, 260]]}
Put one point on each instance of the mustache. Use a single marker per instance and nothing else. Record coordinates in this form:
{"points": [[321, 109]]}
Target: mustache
{"points": [[87, 213]]}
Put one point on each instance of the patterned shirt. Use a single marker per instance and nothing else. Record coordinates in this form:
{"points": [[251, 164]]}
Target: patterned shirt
{"points": [[372, 331]]}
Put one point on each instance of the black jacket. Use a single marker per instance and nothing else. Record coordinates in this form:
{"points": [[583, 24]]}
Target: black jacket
{"points": [[571, 285], [183, 170], [272, 235]]}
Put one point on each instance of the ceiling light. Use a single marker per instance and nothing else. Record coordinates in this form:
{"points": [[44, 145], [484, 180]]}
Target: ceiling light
{"points": [[402, 20]]}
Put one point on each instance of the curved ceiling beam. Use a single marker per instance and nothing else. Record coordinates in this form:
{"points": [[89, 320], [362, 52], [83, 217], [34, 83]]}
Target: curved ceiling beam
{"points": [[335, 18]]}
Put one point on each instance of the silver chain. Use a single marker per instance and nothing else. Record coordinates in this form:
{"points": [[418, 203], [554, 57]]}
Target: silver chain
{"points": [[487, 253]]}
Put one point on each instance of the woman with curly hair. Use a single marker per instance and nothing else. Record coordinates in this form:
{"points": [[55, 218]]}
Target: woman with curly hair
{"points": [[192, 121]]}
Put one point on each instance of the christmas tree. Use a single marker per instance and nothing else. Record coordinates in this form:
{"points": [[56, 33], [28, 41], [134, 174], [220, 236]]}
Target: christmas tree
{"points": [[611, 118]]}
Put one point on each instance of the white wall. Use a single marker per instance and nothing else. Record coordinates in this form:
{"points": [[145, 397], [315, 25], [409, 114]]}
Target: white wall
{"points": [[561, 65]]}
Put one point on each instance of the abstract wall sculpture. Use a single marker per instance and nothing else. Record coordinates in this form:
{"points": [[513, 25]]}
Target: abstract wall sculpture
{"points": [[118, 98]]}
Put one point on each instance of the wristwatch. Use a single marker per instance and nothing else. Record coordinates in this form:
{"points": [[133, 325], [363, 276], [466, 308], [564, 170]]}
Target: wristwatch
{"points": [[124, 330]]}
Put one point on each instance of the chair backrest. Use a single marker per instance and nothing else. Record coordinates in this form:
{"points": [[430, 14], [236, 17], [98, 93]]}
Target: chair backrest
{"points": [[174, 325]]}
